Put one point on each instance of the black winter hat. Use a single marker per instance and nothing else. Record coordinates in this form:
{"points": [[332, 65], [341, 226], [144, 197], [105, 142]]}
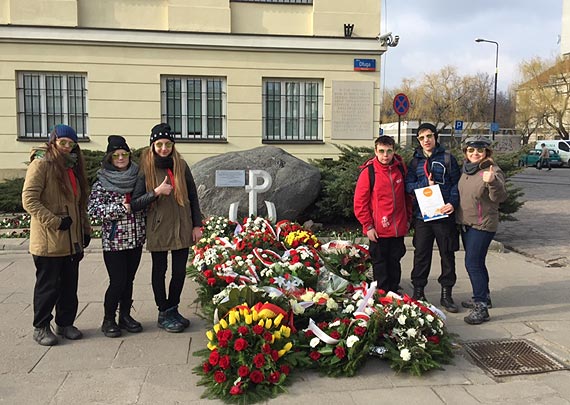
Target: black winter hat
{"points": [[427, 125], [116, 142], [161, 131]]}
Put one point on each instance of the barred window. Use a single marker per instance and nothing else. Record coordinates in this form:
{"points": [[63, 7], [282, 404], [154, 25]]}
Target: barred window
{"points": [[195, 107], [46, 99], [276, 1], [292, 110]]}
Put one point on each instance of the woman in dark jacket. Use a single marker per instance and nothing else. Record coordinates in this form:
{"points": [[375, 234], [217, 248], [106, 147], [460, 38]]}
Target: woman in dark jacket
{"points": [[55, 195], [166, 187], [123, 233]]}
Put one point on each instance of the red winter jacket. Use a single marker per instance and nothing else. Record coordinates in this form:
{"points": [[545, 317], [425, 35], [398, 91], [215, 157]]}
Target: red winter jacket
{"points": [[387, 208]]}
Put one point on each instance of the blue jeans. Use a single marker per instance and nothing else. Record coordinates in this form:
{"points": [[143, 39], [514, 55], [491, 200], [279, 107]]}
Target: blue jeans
{"points": [[476, 244]]}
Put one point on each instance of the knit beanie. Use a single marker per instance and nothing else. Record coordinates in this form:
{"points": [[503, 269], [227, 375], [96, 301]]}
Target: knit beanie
{"points": [[116, 142], [161, 131], [431, 127], [65, 131]]}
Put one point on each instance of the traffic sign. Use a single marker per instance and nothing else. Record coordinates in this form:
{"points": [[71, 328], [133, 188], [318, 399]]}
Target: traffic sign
{"points": [[401, 104], [494, 127], [458, 125], [381, 131]]}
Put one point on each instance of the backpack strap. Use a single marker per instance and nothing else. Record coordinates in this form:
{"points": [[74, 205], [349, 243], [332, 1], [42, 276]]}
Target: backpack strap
{"points": [[371, 177]]}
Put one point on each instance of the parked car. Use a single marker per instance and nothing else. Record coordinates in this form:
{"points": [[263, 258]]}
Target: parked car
{"points": [[532, 158]]}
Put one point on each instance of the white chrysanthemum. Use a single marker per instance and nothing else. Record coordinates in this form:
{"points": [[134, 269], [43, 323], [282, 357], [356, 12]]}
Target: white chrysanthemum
{"points": [[308, 296], [421, 321], [402, 319], [335, 323], [314, 342], [297, 308], [422, 345], [405, 355], [331, 304], [352, 339], [411, 332], [429, 318], [349, 309]]}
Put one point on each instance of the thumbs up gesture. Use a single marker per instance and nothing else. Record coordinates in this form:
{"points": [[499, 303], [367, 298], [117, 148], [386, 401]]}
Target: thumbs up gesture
{"points": [[489, 175], [164, 188]]}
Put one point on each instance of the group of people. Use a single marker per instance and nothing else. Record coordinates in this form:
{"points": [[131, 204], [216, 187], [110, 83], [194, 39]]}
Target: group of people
{"points": [[157, 203], [385, 205]]}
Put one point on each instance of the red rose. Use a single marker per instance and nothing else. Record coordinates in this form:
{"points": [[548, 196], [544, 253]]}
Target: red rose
{"points": [[236, 390], [214, 357], [266, 348], [243, 371], [240, 344], [346, 321], [223, 343], [268, 337], [258, 329], [340, 352], [243, 330], [359, 330], [275, 355], [315, 355], [322, 325], [256, 376], [335, 335], [208, 273], [219, 376], [433, 339], [285, 369], [206, 367], [229, 280], [274, 377], [211, 282], [309, 334], [259, 360], [227, 334], [224, 362]]}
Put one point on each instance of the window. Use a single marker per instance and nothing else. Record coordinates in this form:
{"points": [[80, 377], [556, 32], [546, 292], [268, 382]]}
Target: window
{"points": [[292, 110], [46, 99], [276, 1], [195, 107]]}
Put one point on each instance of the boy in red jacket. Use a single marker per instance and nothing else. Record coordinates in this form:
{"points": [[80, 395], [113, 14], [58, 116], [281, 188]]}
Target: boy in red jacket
{"points": [[384, 210]]}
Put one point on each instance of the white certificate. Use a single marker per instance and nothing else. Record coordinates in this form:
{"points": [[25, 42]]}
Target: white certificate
{"points": [[430, 202]]}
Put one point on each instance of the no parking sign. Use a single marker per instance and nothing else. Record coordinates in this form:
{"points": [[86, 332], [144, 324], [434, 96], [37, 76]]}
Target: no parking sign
{"points": [[401, 104]]}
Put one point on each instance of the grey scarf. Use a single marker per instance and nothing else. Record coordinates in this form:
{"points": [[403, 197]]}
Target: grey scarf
{"points": [[122, 182]]}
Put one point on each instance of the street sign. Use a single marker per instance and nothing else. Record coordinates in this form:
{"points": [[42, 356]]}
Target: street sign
{"points": [[494, 127], [458, 125], [401, 104], [367, 65], [381, 131]]}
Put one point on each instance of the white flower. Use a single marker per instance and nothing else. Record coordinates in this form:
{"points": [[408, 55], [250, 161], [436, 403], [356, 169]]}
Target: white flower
{"points": [[411, 332], [349, 309], [405, 354], [345, 273], [297, 308], [308, 296], [429, 318], [421, 321], [402, 319], [422, 345], [352, 339], [314, 342], [335, 323]]}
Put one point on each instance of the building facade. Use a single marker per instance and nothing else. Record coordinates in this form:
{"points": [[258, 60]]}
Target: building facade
{"points": [[226, 75]]}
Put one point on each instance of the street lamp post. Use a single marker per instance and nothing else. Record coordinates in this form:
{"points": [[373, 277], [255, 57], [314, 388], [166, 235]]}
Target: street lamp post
{"points": [[496, 74]]}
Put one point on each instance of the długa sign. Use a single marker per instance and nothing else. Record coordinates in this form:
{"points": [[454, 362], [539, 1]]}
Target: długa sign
{"points": [[368, 65]]}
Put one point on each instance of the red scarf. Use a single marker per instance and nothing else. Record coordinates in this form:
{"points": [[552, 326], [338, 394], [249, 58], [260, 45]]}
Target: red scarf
{"points": [[73, 180], [171, 177]]}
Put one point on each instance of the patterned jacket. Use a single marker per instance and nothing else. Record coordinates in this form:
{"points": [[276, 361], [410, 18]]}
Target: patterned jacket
{"points": [[120, 230]]}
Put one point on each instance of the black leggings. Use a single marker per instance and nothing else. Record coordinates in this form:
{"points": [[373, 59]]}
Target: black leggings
{"points": [[122, 266], [159, 266]]}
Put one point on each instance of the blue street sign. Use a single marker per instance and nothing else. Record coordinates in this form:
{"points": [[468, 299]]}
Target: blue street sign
{"points": [[458, 125], [494, 127], [381, 131], [367, 65]]}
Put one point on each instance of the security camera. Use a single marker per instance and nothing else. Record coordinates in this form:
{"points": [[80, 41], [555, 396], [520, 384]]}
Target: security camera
{"points": [[385, 37], [388, 40]]}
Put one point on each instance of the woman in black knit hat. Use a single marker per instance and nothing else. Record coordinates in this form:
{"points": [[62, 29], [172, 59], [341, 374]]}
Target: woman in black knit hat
{"points": [[122, 233], [166, 187]]}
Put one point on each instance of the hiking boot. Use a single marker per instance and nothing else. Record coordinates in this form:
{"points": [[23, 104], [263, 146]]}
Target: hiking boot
{"points": [[110, 328], [447, 301], [168, 322], [478, 314], [184, 321], [470, 303], [44, 336], [419, 294], [69, 332], [127, 322]]}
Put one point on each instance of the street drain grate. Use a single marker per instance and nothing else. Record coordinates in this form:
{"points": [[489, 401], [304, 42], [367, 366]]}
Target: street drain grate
{"points": [[512, 357]]}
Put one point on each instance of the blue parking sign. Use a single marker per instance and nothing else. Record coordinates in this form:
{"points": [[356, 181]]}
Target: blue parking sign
{"points": [[494, 127], [458, 125]]}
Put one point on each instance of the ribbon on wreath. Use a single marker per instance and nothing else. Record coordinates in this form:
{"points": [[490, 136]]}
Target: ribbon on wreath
{"points": [[369, 293], [320, 334]]}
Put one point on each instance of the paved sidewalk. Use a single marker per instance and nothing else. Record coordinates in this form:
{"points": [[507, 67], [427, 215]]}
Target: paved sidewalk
{"points": [[531, 301]]}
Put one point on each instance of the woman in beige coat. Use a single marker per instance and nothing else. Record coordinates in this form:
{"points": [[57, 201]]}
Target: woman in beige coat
{"points": [[55, 195]]}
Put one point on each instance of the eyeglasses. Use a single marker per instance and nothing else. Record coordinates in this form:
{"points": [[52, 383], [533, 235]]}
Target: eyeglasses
{"points": [[121, 155], [65, 144], [427, 136], [472, 150], [385, 151], [160, 145]]}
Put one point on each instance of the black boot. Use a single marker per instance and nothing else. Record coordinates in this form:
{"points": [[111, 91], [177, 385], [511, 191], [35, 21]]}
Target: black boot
{"points": [[126, 321], [419, 294], [447, 301], [110, 328]]}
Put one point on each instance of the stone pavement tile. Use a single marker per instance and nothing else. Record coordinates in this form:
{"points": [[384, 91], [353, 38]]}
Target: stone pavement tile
{"points": [[452, 374], [518, 330], [168, 350], [106, 386], [520, 391], [172, 384], [454, 394], [323, 397], [20, 357], [488, 330], [16, 321], [400, 395], [18, 297], [4, 296], [558, 381], [40, 388]]}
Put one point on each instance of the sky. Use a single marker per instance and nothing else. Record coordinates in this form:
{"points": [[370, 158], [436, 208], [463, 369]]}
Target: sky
{"points": [[437, 33]]}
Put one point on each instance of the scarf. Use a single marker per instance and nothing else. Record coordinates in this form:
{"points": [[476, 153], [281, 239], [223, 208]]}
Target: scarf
{"points": [[113, 179], [164, 162], [470, 168]]}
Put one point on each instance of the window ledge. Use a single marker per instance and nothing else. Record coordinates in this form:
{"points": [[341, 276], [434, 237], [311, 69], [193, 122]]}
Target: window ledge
{"points": [[46, 139], [293, 142]]}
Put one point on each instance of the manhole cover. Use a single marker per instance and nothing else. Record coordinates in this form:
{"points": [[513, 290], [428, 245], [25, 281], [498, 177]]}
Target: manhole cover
{"points": [[512, 357]]}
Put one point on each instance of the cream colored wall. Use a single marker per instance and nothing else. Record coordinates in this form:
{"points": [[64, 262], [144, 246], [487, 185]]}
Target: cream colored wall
{"points": [[279, 19], [124, 92], [4, 11], [43, 12], [330, 16], [565, 33]]}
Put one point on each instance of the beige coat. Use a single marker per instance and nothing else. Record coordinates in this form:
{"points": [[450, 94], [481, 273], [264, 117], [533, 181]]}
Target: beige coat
{"points": [[43, 200]]}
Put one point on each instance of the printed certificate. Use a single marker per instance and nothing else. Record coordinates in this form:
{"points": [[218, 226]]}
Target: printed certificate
{"points": [[430, 202]]}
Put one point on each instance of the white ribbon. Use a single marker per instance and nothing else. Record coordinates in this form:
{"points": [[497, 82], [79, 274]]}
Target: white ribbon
{"points": [[369, 293], [320, 334]]}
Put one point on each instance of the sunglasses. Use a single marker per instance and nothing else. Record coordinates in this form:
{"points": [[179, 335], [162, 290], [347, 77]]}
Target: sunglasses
{"points": [[160, 145], [427, 136], [65, 143], [479, 150], [385, 151], [121, 155]]}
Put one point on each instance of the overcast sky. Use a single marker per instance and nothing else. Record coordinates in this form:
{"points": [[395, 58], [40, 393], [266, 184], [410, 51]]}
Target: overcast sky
{"points": [[436, 33]]}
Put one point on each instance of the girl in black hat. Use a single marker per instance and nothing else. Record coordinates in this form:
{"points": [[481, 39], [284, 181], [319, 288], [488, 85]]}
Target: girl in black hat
{"points": [[122, 233]]}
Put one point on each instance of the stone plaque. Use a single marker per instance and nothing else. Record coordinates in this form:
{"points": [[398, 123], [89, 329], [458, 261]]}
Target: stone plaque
{"points": [[352, 110], [230, 178]]}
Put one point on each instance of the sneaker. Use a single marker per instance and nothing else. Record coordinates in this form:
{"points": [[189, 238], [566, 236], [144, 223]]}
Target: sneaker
{"points": [[470, 303], [478, 314], [168, 322], [110, 328], [184, 321], [44, 336], [69, 332]]}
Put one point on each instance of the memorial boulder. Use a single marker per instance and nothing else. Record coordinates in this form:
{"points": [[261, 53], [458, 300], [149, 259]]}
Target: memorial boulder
{"points": [[295, 183]]}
